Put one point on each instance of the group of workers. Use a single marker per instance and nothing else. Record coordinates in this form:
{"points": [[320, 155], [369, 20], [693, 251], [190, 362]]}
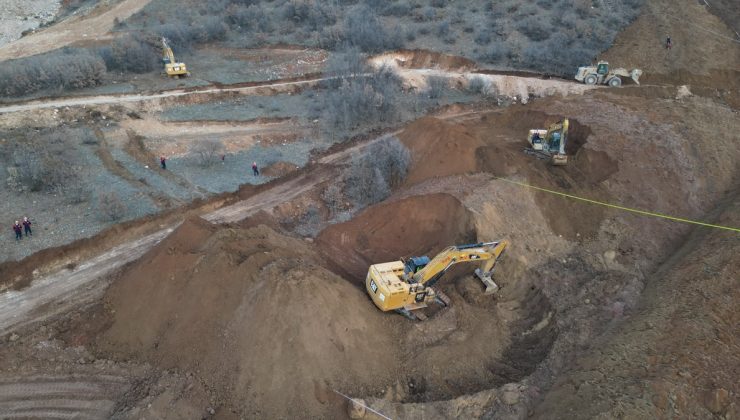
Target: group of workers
{"points": [[19, 228], [255, 169]]}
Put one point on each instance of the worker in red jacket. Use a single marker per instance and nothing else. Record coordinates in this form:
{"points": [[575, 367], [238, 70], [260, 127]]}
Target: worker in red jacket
{"points": [[18, 231], [27, 226]]}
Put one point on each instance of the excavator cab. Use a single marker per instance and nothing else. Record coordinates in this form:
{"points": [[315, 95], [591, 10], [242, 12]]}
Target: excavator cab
{"points": [[555, 142], [413, 265], [549, 143]]}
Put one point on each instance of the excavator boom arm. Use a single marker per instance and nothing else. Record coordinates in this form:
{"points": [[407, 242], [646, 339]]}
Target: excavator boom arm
{"points": [[486, 252]]}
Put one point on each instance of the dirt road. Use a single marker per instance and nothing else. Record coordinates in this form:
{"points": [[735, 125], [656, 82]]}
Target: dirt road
{"points": [[117, 99], [59, 292], [94, 26], [503, 84]]}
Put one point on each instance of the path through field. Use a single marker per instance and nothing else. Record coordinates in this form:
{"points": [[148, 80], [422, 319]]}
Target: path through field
{"points": [[93, 26]]}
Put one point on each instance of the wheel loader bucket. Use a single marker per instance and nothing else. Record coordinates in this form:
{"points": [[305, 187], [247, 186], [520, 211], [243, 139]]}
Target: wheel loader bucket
{"points": [[559, 160], [635, 75]]}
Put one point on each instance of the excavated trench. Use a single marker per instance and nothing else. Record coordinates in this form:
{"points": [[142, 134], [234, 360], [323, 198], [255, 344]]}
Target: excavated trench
{"points": [[478, 342]]}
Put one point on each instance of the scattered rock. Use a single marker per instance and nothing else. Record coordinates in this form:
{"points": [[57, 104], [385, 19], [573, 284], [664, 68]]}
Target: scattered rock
{"points": [[211, 411], [716, 400], [356, 409], [683, 91], [511, 394]]}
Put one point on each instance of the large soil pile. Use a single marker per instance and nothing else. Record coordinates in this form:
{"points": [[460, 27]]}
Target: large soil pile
{"points": [[251, 313], [439, 149], [270, 332]]}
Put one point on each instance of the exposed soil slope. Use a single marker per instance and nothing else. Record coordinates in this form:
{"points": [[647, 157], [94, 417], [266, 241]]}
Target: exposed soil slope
{"points": [[387, 232], [252, 314], [677, 356], [703, 52], [438, 149]]}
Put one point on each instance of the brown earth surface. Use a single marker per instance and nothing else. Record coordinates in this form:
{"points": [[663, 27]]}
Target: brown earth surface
{"points": [[409, 227], [268, 325], [279, 169], [229, 305]]}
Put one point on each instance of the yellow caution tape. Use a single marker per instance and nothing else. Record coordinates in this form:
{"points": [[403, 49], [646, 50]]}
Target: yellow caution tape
{"points": [[614, 206]]}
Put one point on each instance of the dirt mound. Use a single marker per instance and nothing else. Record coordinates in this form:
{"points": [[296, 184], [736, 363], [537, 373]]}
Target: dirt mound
{"points": [[412, 226], [439, 148], [230, 305], [279, 169]]}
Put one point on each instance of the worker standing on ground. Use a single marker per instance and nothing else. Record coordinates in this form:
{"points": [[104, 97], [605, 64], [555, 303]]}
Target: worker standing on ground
{"points": [[18, 231], [27, 226], [163, 162], [668, 43], [255, 170]]}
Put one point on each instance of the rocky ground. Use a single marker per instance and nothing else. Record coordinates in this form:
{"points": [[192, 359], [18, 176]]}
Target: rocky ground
{"points": [[19, 16]]}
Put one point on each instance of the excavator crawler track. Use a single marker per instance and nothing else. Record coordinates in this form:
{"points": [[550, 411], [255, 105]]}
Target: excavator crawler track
{"points": [[442, 298]]}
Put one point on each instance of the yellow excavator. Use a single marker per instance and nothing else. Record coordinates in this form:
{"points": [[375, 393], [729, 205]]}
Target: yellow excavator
{"points": [[406, 286], [550, 143], [171, 66]]}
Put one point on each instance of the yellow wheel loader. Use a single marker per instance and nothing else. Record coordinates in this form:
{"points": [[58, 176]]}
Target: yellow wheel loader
{"points": [[171, 66], [406, 286], [601, 74], [550, 143]]}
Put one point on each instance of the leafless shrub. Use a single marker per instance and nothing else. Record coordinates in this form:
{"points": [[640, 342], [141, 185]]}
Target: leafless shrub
{"points": [[49, 161], [362, 101], [476, 85], [333, 198], [436, 86], [373, 173], [130, 54], [363, 29], [110, 206], [208, 151], [57, 70]]}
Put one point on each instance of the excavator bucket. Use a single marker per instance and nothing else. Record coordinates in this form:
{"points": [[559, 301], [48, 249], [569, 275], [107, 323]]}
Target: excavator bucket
{"points": [[491, 286], [635, 75]]}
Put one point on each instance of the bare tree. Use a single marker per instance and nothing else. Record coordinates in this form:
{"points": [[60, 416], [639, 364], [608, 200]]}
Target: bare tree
{"points": [[373, 173], [208, 151], [110, 206]]}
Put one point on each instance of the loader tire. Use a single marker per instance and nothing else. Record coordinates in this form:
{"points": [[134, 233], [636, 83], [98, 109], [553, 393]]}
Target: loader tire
{"points": [[590, 79], [615, 82]]}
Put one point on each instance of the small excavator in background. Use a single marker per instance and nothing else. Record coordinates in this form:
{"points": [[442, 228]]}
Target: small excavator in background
{"points": [[171, 66], [550, 143], [406, 286], [601, 74]]}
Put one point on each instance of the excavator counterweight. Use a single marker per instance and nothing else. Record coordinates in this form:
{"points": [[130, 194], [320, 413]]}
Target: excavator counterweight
{"points": [[405, 286]]}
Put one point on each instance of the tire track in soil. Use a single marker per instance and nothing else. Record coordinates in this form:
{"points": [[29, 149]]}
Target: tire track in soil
{"points": [[60, 397]]}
